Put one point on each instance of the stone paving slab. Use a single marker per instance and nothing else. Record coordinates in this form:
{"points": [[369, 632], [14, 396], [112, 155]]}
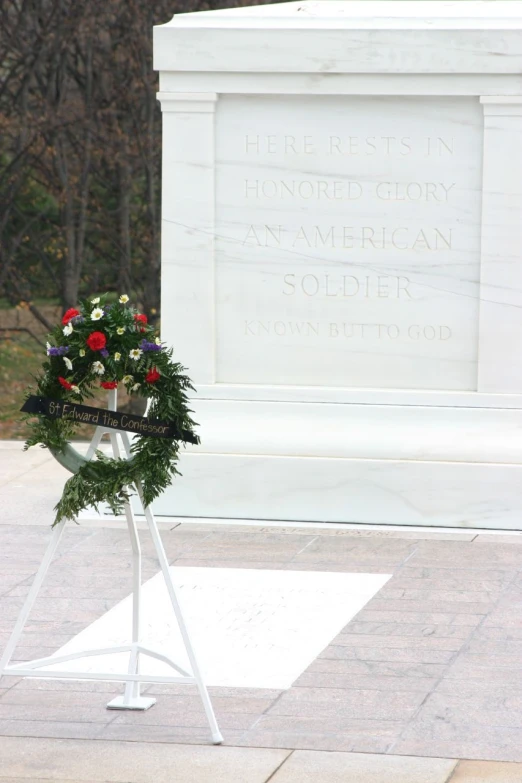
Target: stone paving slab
{"points": [[42, 780], [310, 767], [461, 748], [428, 668], [487, 772], [371, 690], [344, 531], [135, 762], [70, 761]]}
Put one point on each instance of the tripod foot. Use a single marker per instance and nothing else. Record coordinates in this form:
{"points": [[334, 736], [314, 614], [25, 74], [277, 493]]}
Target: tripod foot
{"points": [[217, 738], [136, 703]]}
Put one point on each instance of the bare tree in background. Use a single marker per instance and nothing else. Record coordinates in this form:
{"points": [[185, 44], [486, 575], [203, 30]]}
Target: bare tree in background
{"points": [[48, 108], [80, 147]]}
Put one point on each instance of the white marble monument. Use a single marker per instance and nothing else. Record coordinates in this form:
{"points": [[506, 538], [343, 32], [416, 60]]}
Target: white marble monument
{"points": [[342, 259]]}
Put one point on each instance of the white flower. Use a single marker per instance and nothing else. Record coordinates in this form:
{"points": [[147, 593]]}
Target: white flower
{"points": [[75, 389], [120, 329], [128, 379], [157, 341], [82, 352], [95, 301], [136, 387], [67, 330], [98, 368], [96, 314], [68, 363], [117, 356], [135, 353], [124, 299], [48, 347]]}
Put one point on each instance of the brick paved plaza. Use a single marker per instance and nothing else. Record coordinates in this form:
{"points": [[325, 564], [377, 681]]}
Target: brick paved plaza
{"points": [[424, 682]]}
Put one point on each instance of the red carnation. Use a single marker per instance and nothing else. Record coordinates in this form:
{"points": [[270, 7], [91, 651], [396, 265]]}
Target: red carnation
{"points": [[109, 384], [140, 318], [71, 313], [65, 384], [96, 341], [152, 376]]}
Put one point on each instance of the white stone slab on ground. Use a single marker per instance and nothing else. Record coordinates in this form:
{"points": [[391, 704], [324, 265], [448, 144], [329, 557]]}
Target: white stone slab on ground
{"points": [[250, 627]]}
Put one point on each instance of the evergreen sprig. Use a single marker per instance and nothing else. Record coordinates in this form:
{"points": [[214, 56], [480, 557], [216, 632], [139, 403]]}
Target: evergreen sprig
{"points": [[124, 350]]}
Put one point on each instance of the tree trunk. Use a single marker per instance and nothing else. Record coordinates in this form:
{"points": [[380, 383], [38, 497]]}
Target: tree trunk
{"points": [[124, 271]]}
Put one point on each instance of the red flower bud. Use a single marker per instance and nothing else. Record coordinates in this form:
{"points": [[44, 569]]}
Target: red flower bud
{"points": [[96, 341], [71, 313], [140, 318], [152, 376], [65, 384]]}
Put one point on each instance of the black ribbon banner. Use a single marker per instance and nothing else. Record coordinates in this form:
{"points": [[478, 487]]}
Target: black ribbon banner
{"points": [[101, 417]]}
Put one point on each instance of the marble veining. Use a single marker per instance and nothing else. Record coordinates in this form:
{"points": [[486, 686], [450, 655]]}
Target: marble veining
{"points": [[348, 241], [341, 259]]}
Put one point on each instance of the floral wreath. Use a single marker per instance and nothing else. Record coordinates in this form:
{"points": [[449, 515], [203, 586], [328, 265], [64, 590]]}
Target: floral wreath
{"points": [[107, 345]]}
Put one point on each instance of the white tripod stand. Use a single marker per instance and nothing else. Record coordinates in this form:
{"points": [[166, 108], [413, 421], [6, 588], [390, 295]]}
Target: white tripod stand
{"points": [[131, 699]]}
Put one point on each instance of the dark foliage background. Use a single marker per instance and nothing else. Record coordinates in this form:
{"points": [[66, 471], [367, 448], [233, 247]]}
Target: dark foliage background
{"points": [[80, 148]]}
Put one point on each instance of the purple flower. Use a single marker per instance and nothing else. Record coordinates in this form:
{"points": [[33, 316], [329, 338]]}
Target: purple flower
{"points": [[78, 319], [146, 346], [59, 351], [104, 352]]}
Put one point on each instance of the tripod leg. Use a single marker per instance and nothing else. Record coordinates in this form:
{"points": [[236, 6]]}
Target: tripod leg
{"points": [[132, 698], [95, 442], [31, 598], [217, 737]]}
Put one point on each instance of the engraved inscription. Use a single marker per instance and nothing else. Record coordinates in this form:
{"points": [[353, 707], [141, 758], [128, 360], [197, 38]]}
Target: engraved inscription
{"points": [[351, 331], [276, 144], [349, 190], [348, 240], [348, 286]]}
